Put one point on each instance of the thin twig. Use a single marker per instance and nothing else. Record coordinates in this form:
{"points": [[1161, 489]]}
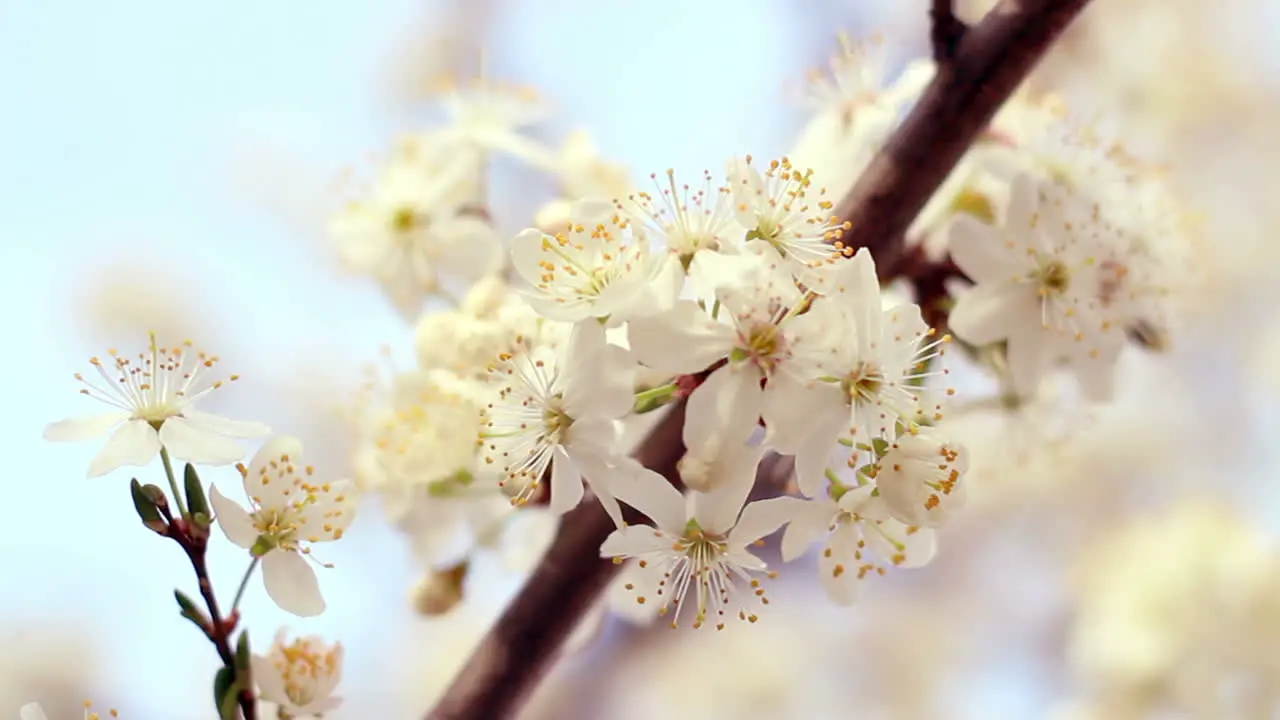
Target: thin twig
{"points": [[945, 32], [994, 58]]}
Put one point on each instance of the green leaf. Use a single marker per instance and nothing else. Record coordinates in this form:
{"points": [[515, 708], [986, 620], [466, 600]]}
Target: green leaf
{"points": [[242, 656], [147, 508], [191, 612], [196, 501], [225, 691]]}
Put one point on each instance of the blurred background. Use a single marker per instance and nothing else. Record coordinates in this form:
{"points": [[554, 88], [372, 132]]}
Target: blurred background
{"points": [[171, 166]]}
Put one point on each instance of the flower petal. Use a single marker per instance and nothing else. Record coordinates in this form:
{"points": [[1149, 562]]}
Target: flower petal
{"points": [[684, 340], [986, 313], [266, 467], [291, 582], [566, 483], [225, 426], [526, 254], [187, 441], [980, 251], [839, 579], [633, 541], [810, 521], [84, 428], [761, 518], [133, 443], [717, 511], [723, 411], [32, 711], [234, 520], [651, 494], [270, 683], [900, 545]]}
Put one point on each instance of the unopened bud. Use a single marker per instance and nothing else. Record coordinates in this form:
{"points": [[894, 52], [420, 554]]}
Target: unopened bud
{"points": [[440, 591], [697, 474]]}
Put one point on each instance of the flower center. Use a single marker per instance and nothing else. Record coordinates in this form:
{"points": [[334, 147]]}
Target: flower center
{"points": [[863, 384], [300, 666], [1052, 277], [406, 219], [763, 345], [555, 421]]}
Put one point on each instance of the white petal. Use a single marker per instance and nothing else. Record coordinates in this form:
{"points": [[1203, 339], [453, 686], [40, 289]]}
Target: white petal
{"points": [[760, 519], [224, 426], [1022, 204], [566, 483], [634, 540], [188, 441], [899, 546], [684, 340], [651, 494], [980, 251], [291, 583], [260, 469], [234, 520], [793, 410], [724, 410], [526, 254], [331, 514], [717, 511], [270, 683], [812, 460], [986, 313], [810, 520], [84, 428], [31, 711], [839, 578], [1029, 358], [133, 443]]}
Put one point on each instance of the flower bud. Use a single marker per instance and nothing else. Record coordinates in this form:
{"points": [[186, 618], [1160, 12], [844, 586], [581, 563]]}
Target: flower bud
{"points": [[440, 591]]}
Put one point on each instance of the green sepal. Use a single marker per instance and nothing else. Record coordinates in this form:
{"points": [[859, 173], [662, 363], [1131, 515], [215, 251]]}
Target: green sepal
{"points": [[242, 657], [196, 501], [188, 609], [225, 693], [147, 508]]}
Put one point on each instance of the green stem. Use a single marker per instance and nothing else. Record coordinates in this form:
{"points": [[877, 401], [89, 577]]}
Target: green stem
{"points": [[652, 398], [244, 583], [173, 480]]}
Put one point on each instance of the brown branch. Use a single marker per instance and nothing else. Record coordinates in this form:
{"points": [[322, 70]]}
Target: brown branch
{"points": [[990, 61], [945, 31]]}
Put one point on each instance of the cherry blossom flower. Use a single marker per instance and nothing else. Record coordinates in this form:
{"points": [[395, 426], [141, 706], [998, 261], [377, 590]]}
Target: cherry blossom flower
{"points": [[786, 218], [555, 411], [1038, 279], [699, 229], [756, 334], [582, 174], [155, 396], [861, 384], [300, 677], [921, 478], [288, 513], [594, 268], [418, 224], [33, 711], [859, 537], [487, 115], [696, 545]]}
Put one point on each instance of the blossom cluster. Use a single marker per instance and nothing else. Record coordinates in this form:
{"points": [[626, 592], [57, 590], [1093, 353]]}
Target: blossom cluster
{"points": [[736, 294]]}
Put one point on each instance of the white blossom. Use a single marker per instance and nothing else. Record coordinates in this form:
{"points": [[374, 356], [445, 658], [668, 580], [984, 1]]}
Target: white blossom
{"points": [[419, 224], [862, 382], [289, 512], [757, 331], [1038, 279], [699, 229], [696, 545], [921, 478], [787, 219], [555, 411], [155, 396], [486, 115], [595, 267], [860, 539], [582, 173], [300, 677]]}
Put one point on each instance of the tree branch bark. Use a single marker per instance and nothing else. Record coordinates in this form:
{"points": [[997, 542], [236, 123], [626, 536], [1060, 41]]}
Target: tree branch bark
{"points": [[990, 60]]}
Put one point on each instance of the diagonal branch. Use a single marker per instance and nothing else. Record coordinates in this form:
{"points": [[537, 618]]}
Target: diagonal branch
{"points": [[945, 31], [990, 60]]}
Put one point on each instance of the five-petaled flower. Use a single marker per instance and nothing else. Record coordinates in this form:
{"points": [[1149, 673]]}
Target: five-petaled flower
{"points": [[155, 395], [289, 512], [696, 544], [300, 677]]}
